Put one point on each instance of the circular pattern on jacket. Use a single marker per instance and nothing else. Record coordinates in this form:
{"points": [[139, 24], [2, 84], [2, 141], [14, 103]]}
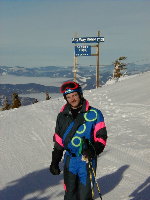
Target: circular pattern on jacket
{"points": [[91, 115], [76, 141], [82, 129]]}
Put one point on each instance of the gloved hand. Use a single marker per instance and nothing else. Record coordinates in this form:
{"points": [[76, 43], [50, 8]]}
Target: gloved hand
{"points": [[56, 158], [87, 149], [54, 169], [88, 153]]}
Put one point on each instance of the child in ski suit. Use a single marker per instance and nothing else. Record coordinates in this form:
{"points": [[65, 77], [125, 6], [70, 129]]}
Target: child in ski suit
{"points": [[81, 132]]}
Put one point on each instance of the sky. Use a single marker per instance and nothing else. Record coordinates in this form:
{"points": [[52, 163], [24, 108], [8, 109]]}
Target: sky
{"points": [[39, 32], [123, 169]]}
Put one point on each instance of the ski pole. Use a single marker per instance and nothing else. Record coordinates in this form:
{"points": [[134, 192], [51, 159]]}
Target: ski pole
{"points": [[92, 187], [97, 185], [90, 173]]}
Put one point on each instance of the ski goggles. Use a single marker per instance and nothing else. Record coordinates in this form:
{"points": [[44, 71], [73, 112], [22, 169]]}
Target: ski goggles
{"points": [[69, 87]]}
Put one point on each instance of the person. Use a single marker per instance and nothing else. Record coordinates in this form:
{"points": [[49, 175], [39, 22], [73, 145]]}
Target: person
{"points": [[80, 131]]}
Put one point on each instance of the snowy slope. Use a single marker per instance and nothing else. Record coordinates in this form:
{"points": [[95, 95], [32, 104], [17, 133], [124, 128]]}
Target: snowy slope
{"points": [[123, 168]]}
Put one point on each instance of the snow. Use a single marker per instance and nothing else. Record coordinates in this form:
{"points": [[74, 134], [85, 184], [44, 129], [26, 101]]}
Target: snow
{"points": [[26, 142]]}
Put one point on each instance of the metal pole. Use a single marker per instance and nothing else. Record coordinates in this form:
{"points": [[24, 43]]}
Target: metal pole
{"points": [[75, 62], [94, 174], [97, 66], [75, 69]]}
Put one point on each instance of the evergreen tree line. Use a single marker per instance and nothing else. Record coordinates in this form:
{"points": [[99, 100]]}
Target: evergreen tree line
{"points": [[16, 102]]}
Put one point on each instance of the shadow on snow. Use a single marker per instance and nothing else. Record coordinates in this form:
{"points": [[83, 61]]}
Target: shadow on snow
{"points": [[142, 192], [37, 181], [42, 180], [110, 181]]}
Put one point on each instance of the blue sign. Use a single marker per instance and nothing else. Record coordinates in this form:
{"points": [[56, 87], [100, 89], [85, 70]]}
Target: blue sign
{"points": [[88, 40], [82, 50]]}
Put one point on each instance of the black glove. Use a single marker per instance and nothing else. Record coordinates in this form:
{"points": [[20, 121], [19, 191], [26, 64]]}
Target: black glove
{"points": [[54, 169], [56, 158], [88, 154], [88, 150]]}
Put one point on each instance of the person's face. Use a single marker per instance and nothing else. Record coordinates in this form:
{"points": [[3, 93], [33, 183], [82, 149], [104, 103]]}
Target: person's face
{"points": [[73, 99]]}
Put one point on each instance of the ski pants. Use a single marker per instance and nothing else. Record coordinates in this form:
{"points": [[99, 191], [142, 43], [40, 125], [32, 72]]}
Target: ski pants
{"points": [[77, 179]]}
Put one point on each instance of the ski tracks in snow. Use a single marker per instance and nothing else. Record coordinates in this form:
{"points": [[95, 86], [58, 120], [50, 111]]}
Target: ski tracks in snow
{"points": [[121, 150]]}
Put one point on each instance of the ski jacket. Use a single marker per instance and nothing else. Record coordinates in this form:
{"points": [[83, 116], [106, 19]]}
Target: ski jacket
{"points": [[89, 124]]}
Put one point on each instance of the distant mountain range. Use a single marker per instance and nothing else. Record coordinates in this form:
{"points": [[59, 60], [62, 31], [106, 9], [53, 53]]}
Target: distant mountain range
{"points": [[85, 76]]}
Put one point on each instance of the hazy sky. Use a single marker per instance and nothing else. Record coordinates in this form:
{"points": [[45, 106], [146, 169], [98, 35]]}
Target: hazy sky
{"points": [[39, 32]]}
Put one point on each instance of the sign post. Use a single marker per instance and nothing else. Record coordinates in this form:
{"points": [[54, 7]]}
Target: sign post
{"points": [[85, 50], [97, 66]]}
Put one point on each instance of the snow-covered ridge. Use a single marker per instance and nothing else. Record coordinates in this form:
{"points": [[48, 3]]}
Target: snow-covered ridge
{"points": [[113, 81], [26, 142]]}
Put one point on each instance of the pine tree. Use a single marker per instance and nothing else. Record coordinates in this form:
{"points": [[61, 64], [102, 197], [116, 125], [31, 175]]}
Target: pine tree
{"points": [[118, 67], [47, 96], [16, 103], [6, 105]]}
